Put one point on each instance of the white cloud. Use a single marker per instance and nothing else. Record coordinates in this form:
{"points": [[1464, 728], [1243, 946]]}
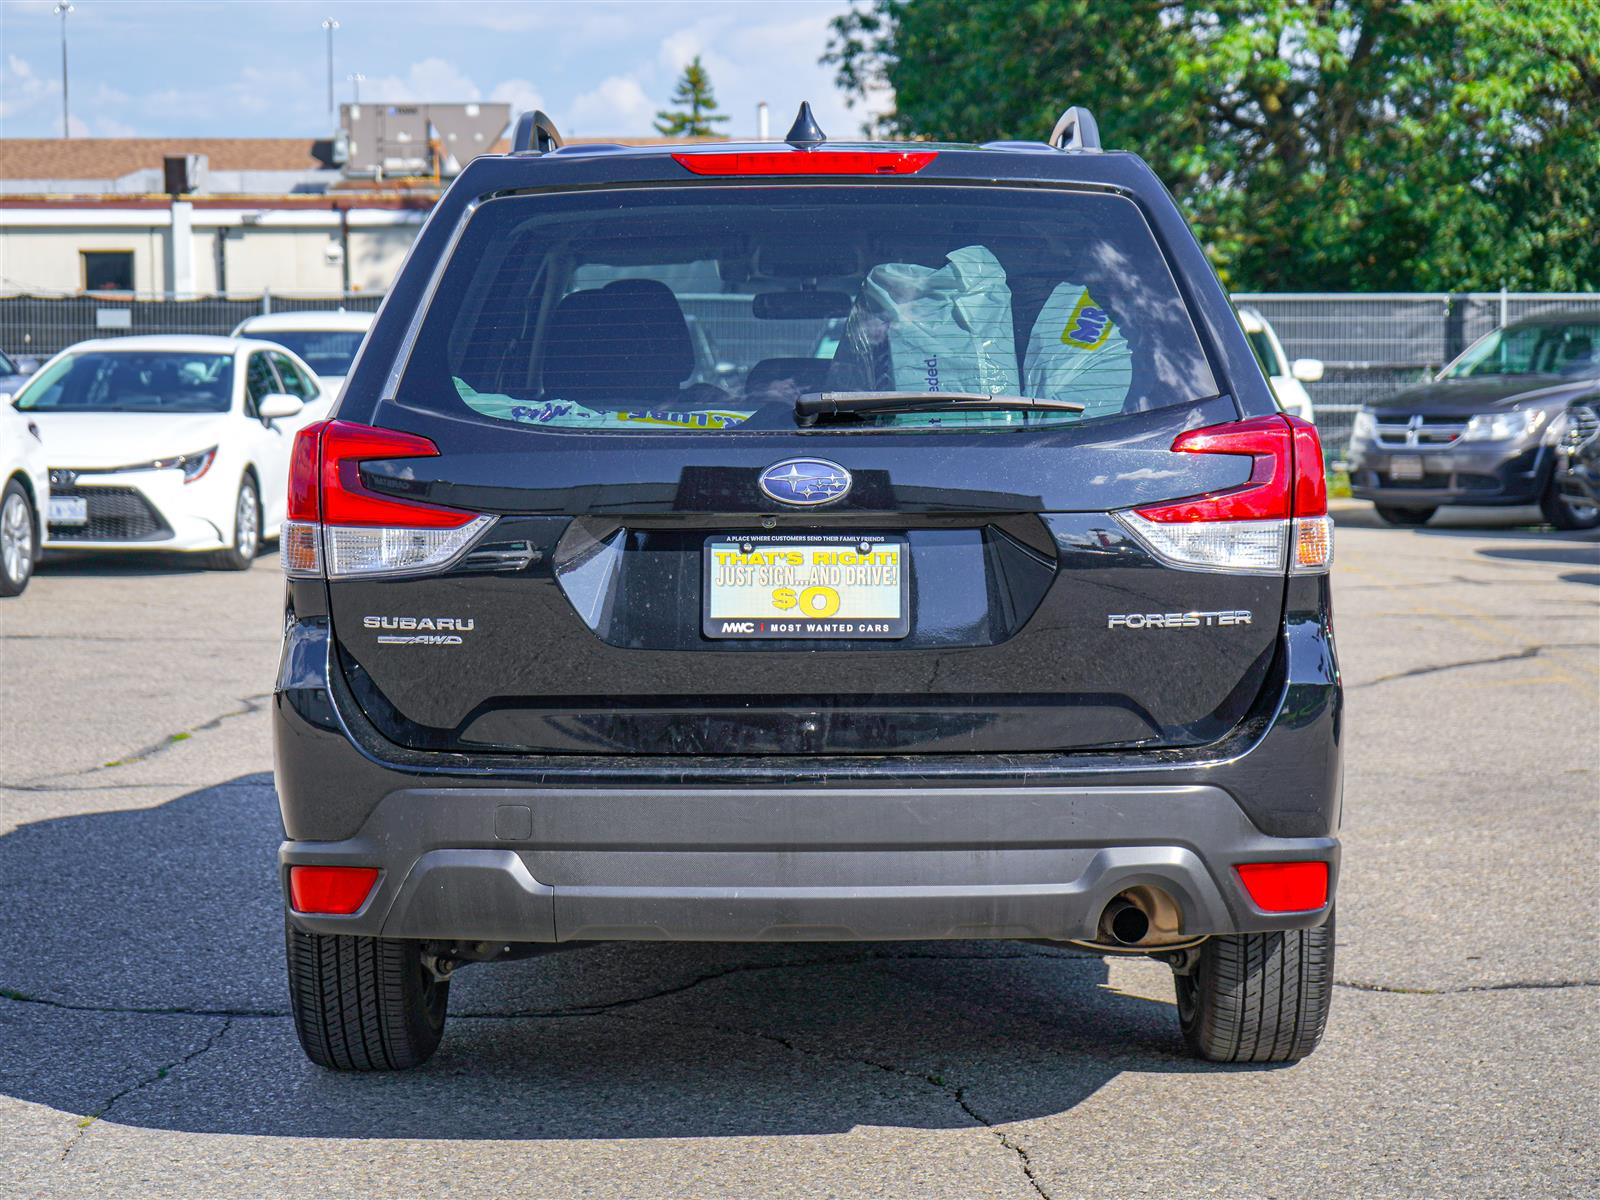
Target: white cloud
{"points": [[21, 88], [433, 79], [520, 94], [619, 106]]}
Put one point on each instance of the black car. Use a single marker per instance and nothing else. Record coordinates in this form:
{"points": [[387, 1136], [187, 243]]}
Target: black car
{"points": [[1006, 618], [1480, 434]]}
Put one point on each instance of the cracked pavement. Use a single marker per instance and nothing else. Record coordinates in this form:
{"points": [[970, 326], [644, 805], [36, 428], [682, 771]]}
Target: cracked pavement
{"points": [[144, 1046]]}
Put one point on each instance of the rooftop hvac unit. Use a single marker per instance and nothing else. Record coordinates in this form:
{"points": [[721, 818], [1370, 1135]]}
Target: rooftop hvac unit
{"points": [[417, 139]]}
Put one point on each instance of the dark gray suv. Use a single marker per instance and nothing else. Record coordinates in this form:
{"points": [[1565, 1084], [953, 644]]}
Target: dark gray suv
{"points": [[1482, 433], [985, 596]]}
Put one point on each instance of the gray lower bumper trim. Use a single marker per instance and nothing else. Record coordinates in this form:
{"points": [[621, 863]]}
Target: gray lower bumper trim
{"points": [[797, 864]]}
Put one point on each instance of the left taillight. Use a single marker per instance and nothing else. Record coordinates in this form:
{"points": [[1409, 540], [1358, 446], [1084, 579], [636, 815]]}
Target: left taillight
{"points": [[339, 528], [1277, 518]]}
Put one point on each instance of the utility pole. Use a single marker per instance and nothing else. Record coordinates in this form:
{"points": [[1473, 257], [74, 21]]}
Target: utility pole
{"points": [[64, 11], [329, 24], [356, 80]]}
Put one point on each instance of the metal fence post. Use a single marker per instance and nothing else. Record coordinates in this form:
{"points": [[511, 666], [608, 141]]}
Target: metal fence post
{"points": [[266, 302], [1455, 327]]}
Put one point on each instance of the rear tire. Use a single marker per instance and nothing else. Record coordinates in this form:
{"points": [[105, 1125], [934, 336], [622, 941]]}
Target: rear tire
{"points": [[363, 1003], [1404, 516], [19, 539], [1567, 514], [1258, 997], [246, 530]]}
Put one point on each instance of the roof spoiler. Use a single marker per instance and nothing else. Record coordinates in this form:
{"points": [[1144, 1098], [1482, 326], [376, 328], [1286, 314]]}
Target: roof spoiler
{"points": [[535, 134], [1076, 130]]}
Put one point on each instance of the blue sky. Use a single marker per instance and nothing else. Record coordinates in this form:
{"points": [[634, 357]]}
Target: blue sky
{"points": [[246, 68]]}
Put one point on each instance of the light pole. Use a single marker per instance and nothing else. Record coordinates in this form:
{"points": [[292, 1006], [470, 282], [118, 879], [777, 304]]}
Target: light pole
{"points": [[64, 11], [356, 80], [329, 24]]}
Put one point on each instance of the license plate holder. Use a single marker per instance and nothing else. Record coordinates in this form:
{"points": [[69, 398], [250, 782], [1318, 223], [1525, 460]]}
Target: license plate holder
{"points": [[810, 586], [68, 510], [1405, 468]]}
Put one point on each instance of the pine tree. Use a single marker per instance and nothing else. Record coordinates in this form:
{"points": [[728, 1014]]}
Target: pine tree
{"points": [[696, 114]]}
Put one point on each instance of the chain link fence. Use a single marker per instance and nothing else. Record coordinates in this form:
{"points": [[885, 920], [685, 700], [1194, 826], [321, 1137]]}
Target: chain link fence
{"points": [[1371, 345]]}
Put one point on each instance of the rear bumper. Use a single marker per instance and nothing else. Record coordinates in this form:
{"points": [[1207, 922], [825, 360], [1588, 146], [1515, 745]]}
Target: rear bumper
{"points": [[808, 849], [796, 864]]}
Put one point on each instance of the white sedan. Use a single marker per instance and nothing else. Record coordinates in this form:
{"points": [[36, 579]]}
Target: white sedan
{"points": [[1288, 379], [170, 443], [327, 340], [24, 495]]}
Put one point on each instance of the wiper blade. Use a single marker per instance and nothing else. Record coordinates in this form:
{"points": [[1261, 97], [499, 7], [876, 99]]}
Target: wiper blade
{"points": [[815, 406]]}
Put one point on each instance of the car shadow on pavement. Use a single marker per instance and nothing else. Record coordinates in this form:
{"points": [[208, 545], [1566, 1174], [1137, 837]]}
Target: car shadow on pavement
{"points": [[143, 982]]}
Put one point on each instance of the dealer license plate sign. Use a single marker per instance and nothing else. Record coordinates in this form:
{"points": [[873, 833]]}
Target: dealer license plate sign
{"points": [[806, 586]]}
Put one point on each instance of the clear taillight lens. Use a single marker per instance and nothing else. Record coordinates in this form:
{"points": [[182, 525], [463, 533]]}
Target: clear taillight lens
{"points": [[371, 550], [1245, 547]]}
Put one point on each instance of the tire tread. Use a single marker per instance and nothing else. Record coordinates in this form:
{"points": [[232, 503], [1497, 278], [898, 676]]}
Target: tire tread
{"points": [[358, 1003], [1261, 997]]}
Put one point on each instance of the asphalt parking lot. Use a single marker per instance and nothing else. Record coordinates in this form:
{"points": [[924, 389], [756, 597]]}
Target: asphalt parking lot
{"points": [[145, 1047]]}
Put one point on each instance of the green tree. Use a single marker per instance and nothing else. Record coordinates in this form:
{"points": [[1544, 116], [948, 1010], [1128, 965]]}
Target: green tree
{"points": [[1315, 144], [696, 114]]}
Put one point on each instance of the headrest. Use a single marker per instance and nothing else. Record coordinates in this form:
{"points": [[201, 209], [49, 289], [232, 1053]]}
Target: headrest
{"points": [[626, 341]]}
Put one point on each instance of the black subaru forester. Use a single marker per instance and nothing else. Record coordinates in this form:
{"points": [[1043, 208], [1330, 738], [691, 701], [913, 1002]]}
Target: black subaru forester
{"points": [[974, 587]]}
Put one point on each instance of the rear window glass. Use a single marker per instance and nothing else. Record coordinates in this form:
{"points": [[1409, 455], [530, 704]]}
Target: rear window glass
{"points": [[329, 352], [710, 309]]}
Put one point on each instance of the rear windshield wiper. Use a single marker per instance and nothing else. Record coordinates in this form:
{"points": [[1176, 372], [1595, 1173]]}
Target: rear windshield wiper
{"points": [[817, 406]]}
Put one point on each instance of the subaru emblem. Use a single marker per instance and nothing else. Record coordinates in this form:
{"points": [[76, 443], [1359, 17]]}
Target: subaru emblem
{"points": [[805, 481]]}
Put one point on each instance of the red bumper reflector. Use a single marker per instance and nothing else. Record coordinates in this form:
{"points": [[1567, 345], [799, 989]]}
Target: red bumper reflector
{"points": [[330, 891], [1285, 886], [807, 162]]}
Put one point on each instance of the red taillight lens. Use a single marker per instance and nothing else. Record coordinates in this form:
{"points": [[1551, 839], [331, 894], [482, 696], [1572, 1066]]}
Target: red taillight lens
{"points": [[1310, 479], [1286, 480], [330, 891], [1285, 886], [806, 162], [348, 501], [304, 502], [1264, 496]]}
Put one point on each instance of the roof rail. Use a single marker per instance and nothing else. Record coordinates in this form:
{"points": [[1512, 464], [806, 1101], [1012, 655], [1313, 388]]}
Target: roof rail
{"points": [[1076, 131], [536, 134]]}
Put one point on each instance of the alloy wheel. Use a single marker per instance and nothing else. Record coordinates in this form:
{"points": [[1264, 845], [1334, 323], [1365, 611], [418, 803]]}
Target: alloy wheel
{"points": [[16, 538]]}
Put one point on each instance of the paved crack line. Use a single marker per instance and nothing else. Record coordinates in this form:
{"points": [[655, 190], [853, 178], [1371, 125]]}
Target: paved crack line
{"points": [[249, 706], [955, 1093], [1515, 985], [161, 1073], [599, 1008], [1515, 656]]}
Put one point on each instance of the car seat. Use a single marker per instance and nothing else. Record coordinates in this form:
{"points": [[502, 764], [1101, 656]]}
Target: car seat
{"points": [[625, 342]]}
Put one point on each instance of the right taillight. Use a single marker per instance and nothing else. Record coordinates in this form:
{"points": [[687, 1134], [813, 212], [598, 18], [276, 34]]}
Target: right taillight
{"points": [[1277, 518], [340, 528]]}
